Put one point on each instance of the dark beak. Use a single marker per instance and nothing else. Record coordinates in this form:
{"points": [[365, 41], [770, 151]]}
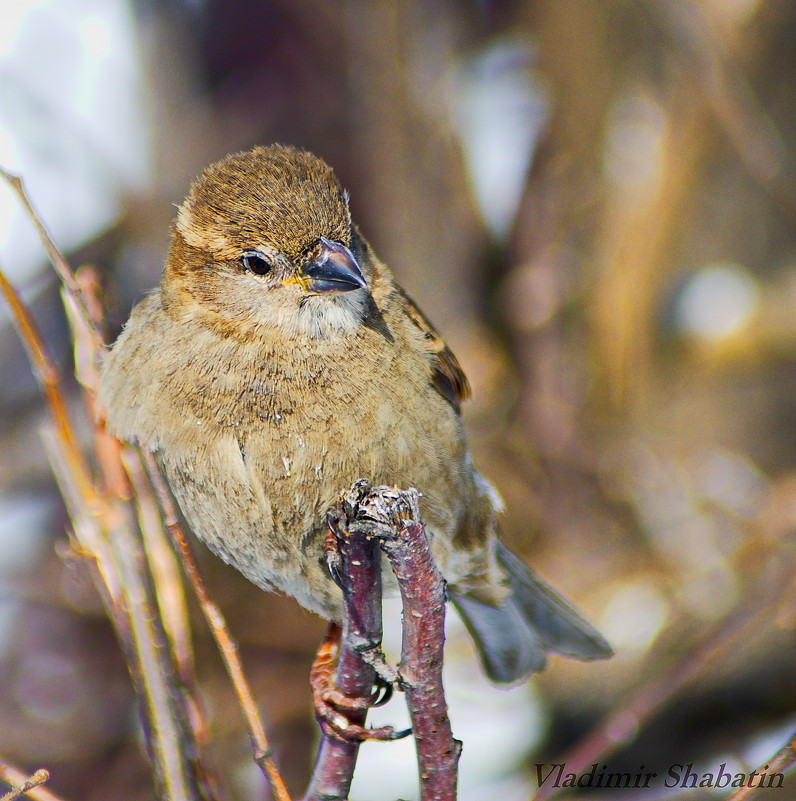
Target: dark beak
{"points": [[333, 269]]}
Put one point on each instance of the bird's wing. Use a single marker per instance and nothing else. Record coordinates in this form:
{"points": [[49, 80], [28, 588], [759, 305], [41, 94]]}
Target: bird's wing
{"points": [[448, 377]]}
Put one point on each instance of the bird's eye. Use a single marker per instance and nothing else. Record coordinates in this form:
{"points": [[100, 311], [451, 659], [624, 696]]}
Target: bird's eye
{"points": [[255, 262]]}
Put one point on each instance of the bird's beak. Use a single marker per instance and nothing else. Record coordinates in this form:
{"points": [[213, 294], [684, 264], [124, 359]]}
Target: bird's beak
{"points": [[333, 269]]}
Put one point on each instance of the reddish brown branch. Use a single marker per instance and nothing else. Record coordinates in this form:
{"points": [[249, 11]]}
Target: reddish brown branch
{"points": [[354, 559], [423, 596], [364, 520], [358, 568]]}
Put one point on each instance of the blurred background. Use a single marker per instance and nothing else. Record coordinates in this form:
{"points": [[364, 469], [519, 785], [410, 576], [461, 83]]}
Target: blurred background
{"points": [[594, 201]]}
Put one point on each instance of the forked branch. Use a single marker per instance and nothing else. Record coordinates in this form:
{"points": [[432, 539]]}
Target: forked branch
{"points": [[365, 520]]}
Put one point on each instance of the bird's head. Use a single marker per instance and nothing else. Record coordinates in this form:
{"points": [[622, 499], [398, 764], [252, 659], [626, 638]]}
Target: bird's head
{"points": [[265, 238]]}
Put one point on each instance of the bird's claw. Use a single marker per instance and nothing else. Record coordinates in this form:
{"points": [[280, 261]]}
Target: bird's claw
{"points": [[383, 694], [334, 709], [330, 708], [331, 550]]}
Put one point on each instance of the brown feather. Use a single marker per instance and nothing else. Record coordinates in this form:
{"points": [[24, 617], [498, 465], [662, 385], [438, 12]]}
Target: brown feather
{"points": [[448, 377]]}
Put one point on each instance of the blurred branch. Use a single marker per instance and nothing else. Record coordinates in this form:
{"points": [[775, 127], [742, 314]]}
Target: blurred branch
{"points": [[57, 260], [49, 378], [104, 528], [21, 784], [410, 169], [633, 250], [732, 101], [629, 717], [218, 628], [782, 762]]}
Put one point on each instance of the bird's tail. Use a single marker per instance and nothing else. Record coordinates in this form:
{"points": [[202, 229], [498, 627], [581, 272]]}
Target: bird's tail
{"points": [[514, 638]]}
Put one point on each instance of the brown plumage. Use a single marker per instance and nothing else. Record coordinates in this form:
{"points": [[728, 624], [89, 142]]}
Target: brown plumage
{"points": [[277, 363]]}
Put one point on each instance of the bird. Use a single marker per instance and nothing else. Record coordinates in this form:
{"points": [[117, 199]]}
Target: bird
{"points": [[279, 361]]}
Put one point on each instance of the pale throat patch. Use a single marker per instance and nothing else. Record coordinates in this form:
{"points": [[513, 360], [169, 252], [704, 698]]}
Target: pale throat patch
{"points": [[321, 316]]}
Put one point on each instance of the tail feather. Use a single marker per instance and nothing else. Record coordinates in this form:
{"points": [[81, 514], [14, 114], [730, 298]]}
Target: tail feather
{"points": [[560, 627], [514, 637], [509, 647]]}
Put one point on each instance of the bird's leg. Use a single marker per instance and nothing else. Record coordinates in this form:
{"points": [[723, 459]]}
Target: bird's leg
{"points": [[339, 675], [338, 714]]}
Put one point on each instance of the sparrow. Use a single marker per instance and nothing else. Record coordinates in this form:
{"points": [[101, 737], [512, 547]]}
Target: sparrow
{"points": [[278, 362]]}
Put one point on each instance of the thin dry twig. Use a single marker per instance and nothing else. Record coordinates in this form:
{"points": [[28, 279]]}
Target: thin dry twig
{"points": [[169, 737], [218, 627], [104, 529], [49, 378], [22, 784], [120, 468], [57, 259], [110, 539], [87, 372], [163, 563], [77, 487], [170, 601]]}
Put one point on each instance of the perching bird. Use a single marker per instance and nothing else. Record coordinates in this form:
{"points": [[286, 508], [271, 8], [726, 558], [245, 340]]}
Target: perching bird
{"points": [[278, 362]]}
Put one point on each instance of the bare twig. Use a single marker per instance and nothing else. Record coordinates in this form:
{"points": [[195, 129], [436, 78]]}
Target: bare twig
{"points": [[218, 627], [359, 569], [423, 596], [25, 785], [391, 518], [165, 571], [111, 540], [169, 735], [59, 263], [105, 531], [87, 372], [170, 598], [49, 378], [77, 487]]}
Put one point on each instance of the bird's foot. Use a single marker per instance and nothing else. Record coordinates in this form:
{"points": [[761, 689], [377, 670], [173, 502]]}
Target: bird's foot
{"points": [[339, 715]]}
